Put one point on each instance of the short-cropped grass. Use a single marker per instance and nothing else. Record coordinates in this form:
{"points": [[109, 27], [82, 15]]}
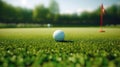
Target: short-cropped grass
{"points": [[83, 47]]}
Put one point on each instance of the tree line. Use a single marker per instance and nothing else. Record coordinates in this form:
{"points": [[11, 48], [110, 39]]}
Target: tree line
{"points": [[42, 15]]}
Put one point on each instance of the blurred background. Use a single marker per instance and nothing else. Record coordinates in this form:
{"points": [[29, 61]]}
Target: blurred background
{"points": [[58, 13]]}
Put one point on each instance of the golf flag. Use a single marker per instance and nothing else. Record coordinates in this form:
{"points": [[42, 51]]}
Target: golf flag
{"points": [[102, 9], [101, 17]]}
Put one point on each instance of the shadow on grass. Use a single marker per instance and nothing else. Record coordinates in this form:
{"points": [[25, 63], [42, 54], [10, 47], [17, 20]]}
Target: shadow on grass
{"points": [[66, 41]]}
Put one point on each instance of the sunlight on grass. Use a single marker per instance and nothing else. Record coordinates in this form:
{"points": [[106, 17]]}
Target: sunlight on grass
{"points": [[35, 47]]}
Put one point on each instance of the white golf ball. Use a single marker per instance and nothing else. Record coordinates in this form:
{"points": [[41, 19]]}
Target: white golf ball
{"points": [[59, 35]]}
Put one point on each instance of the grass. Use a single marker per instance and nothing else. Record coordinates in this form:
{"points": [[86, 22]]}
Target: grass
{"points": [[35, 47]]}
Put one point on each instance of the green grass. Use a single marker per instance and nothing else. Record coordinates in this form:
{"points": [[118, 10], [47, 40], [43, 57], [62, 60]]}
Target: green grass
{"points": [[35, 47]]}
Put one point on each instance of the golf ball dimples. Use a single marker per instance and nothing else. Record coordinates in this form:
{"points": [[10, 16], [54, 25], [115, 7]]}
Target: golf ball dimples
{"points": [[59, 35]]}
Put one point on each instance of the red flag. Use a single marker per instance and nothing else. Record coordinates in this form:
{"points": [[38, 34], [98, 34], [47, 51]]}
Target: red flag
{"points": [[102, 9]]}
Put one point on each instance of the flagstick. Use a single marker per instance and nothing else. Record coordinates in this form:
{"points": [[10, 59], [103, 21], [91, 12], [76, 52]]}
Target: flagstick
{"points": [[101, 19]]}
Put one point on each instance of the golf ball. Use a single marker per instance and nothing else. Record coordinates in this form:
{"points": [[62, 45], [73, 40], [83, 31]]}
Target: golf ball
{"points": [[59, 35]]}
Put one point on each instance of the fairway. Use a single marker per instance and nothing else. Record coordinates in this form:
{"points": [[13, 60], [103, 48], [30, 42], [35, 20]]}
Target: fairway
{"points": [[83, 47]]}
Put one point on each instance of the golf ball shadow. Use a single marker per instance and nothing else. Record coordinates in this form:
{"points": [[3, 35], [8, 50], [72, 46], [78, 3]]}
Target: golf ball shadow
{"points": [[66, 41]]}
